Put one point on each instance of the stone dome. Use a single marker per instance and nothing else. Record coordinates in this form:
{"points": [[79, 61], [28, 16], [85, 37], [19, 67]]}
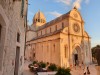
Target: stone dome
{"points": [[39, 18]]}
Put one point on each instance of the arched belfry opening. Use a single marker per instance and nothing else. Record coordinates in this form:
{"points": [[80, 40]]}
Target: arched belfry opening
{"points": [[77, 57], [39, 19]]}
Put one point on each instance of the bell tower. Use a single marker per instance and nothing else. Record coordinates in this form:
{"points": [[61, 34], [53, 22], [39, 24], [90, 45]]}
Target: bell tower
{"points": [[39, 19]]}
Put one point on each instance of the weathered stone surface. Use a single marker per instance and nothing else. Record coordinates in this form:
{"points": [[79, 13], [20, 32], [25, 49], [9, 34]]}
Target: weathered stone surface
{"points": [[12, 23]]}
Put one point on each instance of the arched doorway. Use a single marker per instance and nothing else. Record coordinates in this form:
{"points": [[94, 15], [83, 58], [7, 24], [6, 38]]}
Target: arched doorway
{"points": [[77, 57]]}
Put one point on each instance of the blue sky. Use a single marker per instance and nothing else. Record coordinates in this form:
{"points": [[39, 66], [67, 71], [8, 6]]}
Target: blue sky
{"points": [[90, 11]]}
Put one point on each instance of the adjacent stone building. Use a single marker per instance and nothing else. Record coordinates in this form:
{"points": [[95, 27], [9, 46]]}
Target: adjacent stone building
{"points": [[12, 36], [62, 41]]}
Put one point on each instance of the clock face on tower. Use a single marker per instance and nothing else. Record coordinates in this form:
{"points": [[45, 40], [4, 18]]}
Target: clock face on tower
{"points": [[76, 27]]}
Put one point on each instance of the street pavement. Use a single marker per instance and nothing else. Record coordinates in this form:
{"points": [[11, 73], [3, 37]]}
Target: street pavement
{"points": [[80, 71], [26, 69], [77, 71]]}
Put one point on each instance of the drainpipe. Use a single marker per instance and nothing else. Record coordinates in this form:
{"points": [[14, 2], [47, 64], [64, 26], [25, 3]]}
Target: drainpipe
{"points": [[25, 27]]}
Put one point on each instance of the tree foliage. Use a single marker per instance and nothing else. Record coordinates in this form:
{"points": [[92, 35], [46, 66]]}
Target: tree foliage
{"points": [[42, 64], [63, 71], [96, 53], [52, 67]]}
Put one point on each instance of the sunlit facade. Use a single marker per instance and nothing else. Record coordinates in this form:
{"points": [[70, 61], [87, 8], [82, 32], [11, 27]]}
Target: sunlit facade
{"points": [[62, 41]]}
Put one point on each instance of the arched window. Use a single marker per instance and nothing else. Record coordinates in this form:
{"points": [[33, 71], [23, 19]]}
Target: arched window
{"points": [[33, 55], [37, 34], [41, 32], [47, 48], [65, 52], [42, 48], [45, 31], [38, 20], [41, 20], [50, 29], [0, 31], [62, 25], [54, 47], [56, 27]]}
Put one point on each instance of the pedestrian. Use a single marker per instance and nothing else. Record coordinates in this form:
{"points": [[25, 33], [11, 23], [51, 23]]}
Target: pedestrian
{"points": [[88, 72], [80, 65], [75, 66], [85, 69]]}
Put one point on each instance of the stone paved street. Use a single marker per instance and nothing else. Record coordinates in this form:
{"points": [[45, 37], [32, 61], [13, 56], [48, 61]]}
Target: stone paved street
{"points": [[78, 70], [26, 69]]}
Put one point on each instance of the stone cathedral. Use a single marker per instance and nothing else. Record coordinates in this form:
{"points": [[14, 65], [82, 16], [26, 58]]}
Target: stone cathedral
{"points": [[62, 41]]}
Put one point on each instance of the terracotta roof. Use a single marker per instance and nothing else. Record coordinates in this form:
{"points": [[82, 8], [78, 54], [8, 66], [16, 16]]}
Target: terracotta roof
{"points": [[54, 21]]}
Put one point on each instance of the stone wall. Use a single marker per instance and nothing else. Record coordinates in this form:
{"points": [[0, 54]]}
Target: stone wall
{"points": [[13, 24]]}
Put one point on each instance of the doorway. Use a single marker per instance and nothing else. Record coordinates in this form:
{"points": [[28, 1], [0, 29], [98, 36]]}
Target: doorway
{"points": [[17, 60], [76, 59]]}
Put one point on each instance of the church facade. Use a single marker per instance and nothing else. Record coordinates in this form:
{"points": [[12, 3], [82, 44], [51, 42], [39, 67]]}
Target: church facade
{"points": [[62, 41]]}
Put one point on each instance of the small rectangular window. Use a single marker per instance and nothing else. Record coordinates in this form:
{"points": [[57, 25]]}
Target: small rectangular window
{"points": [[38, 20], [54, 47], [62, 25], [18, 37], [50, 29], [37, 34], [33, 55], [56, 27], [41, 32], [45, 31]]}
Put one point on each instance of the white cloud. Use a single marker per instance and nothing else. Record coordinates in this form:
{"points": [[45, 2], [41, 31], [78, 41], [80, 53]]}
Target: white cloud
{"points": [[87, 1], [55, 13], [67, 2], [77, 4], [73, 3]]}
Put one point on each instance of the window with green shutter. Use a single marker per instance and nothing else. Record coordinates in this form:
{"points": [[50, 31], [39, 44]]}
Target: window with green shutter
{"points": [[22, 8]]}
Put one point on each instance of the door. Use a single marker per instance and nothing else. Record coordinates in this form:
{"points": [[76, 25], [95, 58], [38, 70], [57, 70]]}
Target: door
{"points": [[17, 61], [76, 59]]}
